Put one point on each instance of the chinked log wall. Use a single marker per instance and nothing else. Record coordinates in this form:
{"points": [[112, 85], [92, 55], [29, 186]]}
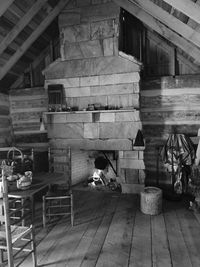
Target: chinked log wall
{"points": [[26, 108], [5, 122], [168, 105]]}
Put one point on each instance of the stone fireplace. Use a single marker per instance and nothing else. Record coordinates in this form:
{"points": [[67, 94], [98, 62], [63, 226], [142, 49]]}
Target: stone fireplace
{"points": [[94, 73]]}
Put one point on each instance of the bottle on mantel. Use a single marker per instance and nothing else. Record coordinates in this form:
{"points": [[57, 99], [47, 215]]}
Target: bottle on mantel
{"points": [[139, 141], [42, 126]]}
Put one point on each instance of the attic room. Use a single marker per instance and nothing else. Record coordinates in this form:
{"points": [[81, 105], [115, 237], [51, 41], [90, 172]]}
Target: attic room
{"points": [[99, 139]]}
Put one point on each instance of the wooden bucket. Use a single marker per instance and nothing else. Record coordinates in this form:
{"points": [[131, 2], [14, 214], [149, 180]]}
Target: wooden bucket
{"points": [[151, 200]]}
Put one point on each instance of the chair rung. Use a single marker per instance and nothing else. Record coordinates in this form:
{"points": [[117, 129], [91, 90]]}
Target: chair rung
{"points": [[22, 248], [57, 197], [58, 206], [26, 256], [58, 214], [17, 240]]}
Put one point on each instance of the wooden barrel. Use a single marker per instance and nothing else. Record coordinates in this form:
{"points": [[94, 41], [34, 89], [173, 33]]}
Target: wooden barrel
{"points": [[151, 200]]}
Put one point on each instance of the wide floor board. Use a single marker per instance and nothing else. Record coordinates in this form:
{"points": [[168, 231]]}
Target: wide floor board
{"points": [[111, 231]]}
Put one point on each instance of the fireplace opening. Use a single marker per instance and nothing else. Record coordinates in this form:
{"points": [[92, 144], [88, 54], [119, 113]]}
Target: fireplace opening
{"points": [[103, 175]]}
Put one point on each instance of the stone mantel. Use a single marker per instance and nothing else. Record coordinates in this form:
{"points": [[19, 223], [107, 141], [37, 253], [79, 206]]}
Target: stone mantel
{"points": [[91, 111]]}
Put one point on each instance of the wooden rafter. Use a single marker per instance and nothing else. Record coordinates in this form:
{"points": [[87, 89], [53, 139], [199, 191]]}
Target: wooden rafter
{"points": [[14, 46], [4, 5], [189, 8], [169, 20], [161, 29], [21, 24], [19, 13], [37, 60], [44, 24]]}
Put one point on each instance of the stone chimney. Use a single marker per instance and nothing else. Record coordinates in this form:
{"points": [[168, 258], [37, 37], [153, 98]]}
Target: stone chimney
{"points": [[94, 72]]}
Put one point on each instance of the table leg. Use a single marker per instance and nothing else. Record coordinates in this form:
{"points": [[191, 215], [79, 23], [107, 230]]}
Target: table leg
{"points": [[32, 209], [23, 211], [31, 198]]}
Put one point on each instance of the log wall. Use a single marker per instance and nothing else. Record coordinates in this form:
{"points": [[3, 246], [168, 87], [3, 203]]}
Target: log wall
{"points": [[6, 137], [168, 105], [26, 107]]}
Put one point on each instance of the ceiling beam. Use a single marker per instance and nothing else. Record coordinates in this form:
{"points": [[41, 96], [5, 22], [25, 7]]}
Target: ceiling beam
{"points": [[21, 24], [14, 46], [161, 29], [169, 20], [189, 8], [19, 13], [4, 5], [44, 24]]}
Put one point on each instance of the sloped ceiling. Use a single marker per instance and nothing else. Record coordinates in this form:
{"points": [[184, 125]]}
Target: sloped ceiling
{"points": [[27, 27], [176, 20]]}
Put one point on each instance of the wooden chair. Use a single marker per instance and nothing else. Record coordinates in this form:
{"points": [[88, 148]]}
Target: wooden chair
{"points": [[16, 155], [59, 199], [17, 241]]}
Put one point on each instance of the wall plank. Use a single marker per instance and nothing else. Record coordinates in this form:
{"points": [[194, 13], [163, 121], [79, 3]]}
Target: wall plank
{"points": [[26, 108], [168, 105], [6, 137]]}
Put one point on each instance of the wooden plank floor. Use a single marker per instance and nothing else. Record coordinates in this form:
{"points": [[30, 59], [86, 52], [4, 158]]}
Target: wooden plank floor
{"points": [[111, 231]]}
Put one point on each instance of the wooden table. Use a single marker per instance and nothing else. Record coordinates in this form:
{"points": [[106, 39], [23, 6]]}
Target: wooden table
{"points": [[39, 183]]}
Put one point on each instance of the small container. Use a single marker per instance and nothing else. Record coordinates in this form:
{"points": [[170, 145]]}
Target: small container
{"points": [[64, 107], [90, 107], [151, 200], [75, 108], [97, 106]]}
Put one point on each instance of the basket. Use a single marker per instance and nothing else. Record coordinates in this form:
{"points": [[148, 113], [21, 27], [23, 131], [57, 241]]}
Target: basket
{"points": [[16, 156], [25, 181]]}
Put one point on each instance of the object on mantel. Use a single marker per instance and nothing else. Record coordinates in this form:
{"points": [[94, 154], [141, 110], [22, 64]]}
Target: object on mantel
{"points": [[139, 141], [42, 126], [55, 97], [90, 107]]}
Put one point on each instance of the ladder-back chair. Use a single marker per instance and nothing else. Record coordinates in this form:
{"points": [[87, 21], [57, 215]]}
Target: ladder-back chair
{"points": [[59, 199], [16, 242]]}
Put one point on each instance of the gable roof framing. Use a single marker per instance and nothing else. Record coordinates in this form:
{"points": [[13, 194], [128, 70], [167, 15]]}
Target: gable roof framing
{"points": [[21, 24], [169, 20], [189, 8], [44, 24], [174, 30], [5, 5], [25, 22]]}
